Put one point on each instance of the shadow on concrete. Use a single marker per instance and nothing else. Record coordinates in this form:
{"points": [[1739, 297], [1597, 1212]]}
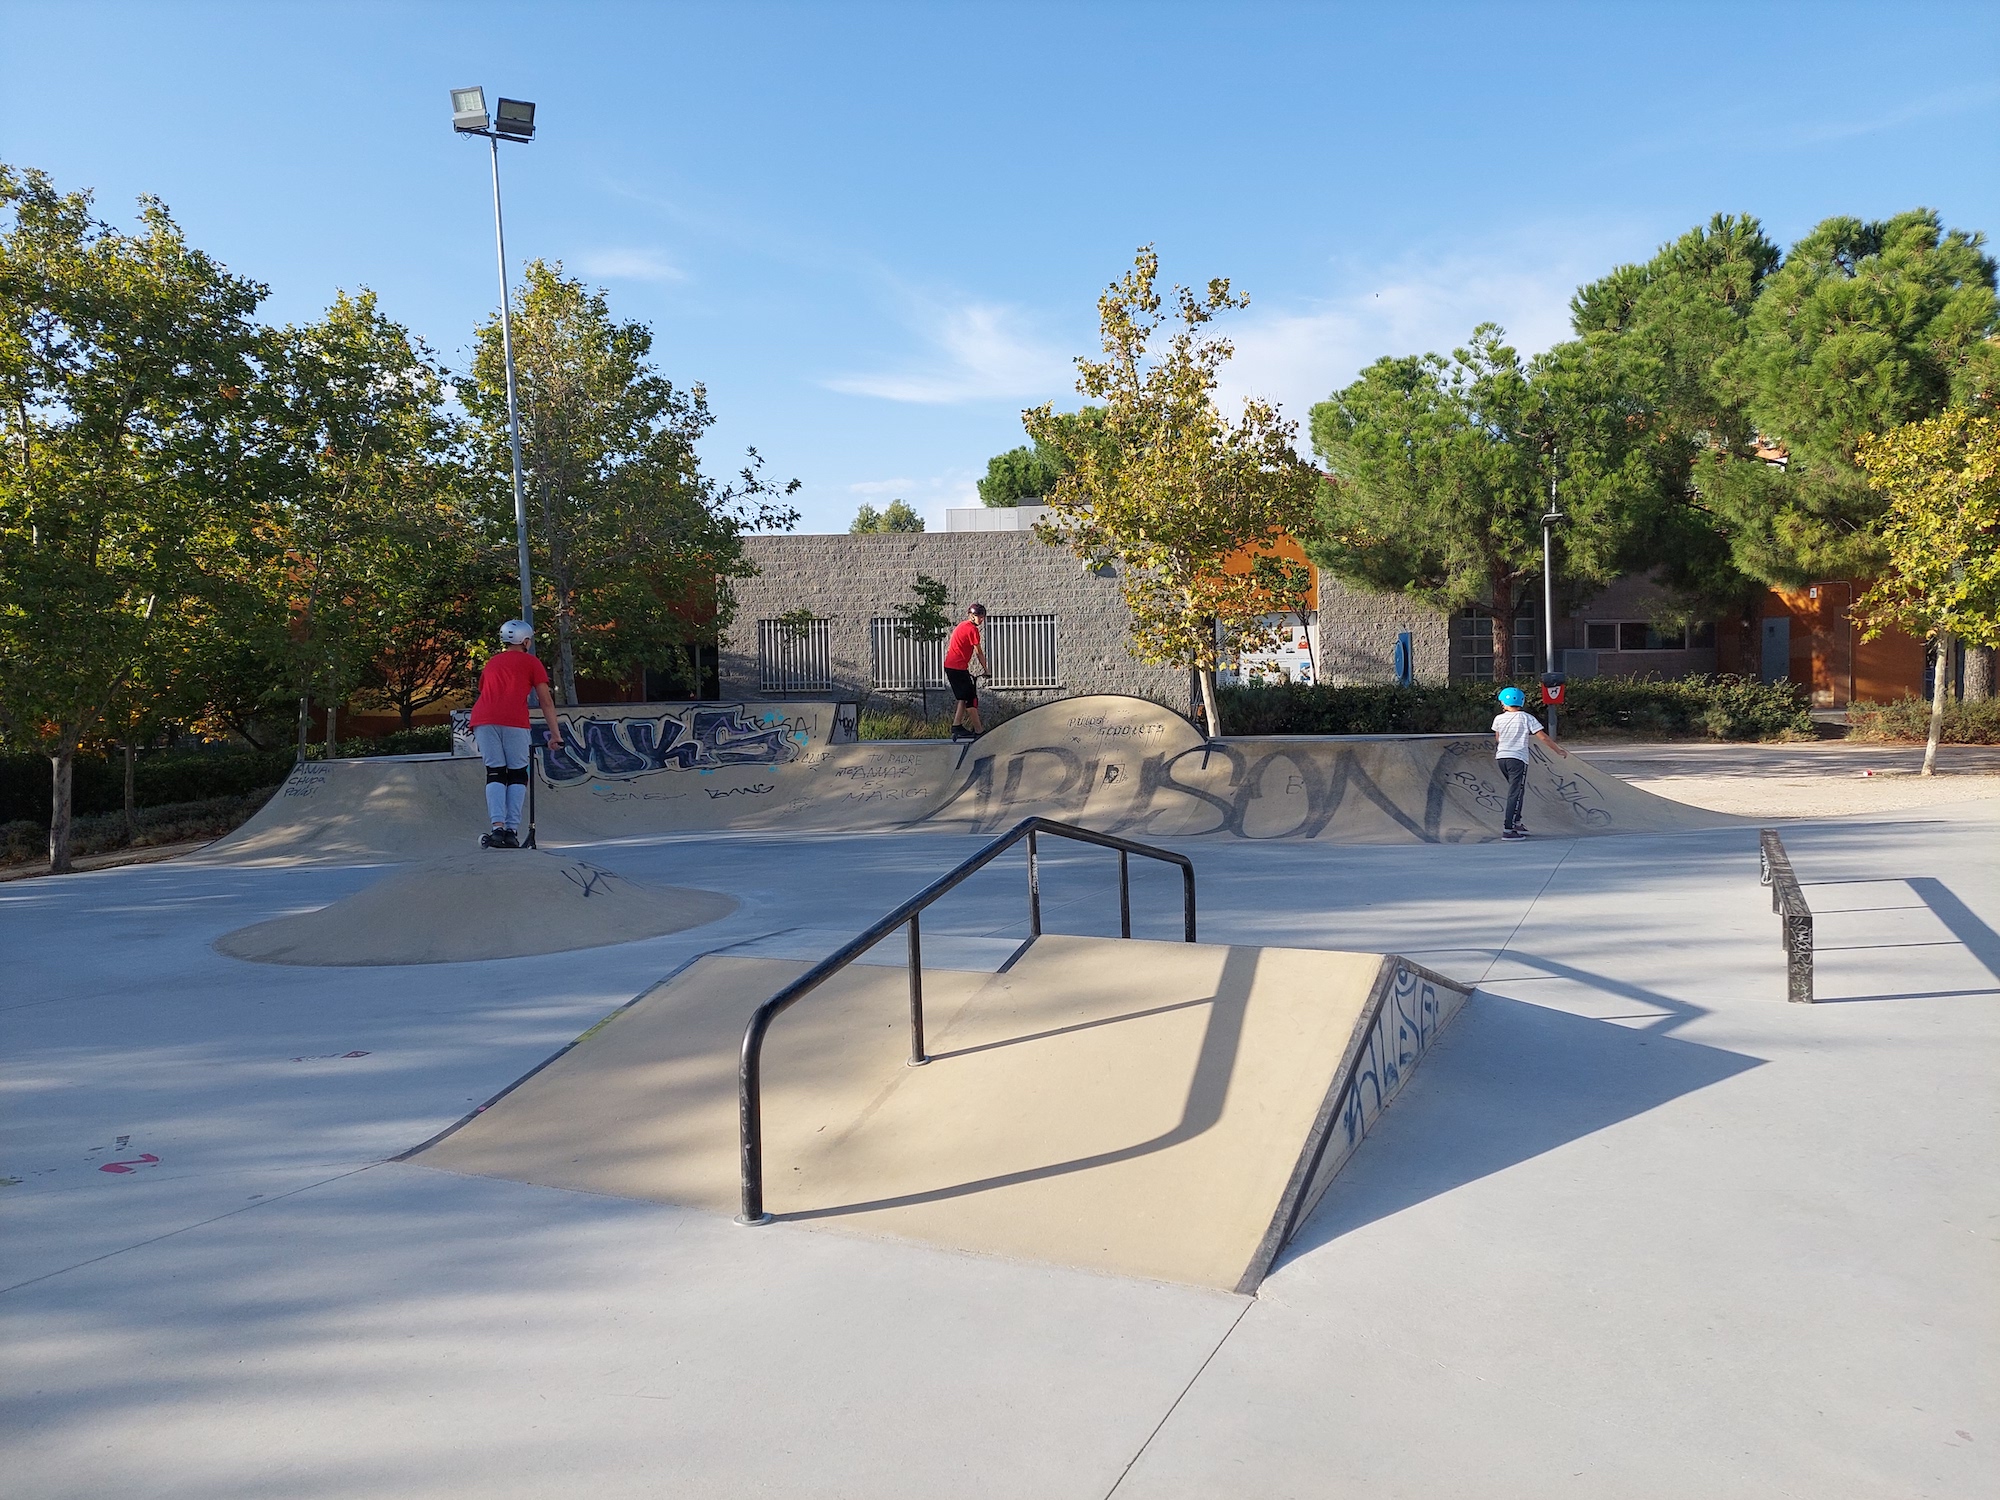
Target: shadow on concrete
{"points": [[1208, 1089], [1968, 931], [1510, 1081]]}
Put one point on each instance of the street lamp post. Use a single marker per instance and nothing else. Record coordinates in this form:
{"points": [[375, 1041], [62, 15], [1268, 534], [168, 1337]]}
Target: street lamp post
{"points": [[1550, 677], [514, 121]]}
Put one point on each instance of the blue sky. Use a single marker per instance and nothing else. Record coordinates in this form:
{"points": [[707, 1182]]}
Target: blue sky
{"points": [[876, 232]]}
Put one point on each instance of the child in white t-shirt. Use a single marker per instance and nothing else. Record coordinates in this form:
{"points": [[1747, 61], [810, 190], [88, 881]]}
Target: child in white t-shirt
{"points": [[1513, 728]]}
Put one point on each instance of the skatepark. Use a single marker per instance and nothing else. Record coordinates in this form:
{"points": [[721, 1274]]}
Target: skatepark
{"points": [[350, 1159]]}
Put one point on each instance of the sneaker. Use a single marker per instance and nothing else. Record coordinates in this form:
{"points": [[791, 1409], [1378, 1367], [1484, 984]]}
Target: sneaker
{"points": [[960, 732], [1515, 833], [507, 838], [491, 840]]}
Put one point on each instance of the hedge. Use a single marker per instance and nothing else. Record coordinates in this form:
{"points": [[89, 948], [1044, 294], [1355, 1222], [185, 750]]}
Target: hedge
{"points": [[1725, 708], [98, 833], [1909, 720], [169, 777]]}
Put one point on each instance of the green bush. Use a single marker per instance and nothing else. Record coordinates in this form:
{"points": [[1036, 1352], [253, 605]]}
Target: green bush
{"points": [[164, 777], [1728, 708], [1909, 719], [23, 840]]}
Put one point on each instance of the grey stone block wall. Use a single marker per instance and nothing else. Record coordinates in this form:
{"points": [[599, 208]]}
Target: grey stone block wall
{"points": [[1358, 630], [849, 580]]}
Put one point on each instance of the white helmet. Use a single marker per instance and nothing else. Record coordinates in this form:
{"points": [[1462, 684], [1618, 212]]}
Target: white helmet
{"points": [[516, 631]]}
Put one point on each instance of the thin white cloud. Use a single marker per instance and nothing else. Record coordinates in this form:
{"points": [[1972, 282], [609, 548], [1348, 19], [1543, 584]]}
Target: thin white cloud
{"points": [[978, 352], [630, 265], [1300, 355]]}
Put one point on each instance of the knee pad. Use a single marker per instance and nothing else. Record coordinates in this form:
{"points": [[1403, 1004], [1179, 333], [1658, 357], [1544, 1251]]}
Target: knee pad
{"points": [[496, 774], [515, 775]]}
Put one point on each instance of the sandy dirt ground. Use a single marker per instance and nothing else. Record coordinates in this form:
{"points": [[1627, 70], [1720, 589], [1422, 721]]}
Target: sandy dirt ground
{"points": [[1828, 780]]}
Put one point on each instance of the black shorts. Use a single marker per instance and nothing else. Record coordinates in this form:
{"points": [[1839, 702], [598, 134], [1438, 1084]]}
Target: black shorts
{"points": [[961, 685]]}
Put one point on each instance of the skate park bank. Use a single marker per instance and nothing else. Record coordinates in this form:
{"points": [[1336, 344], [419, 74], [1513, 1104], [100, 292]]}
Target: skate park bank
{"points": [[1632, 1226]]}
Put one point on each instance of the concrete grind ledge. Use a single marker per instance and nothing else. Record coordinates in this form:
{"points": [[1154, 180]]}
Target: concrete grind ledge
{"points": [[1163, 1110]]}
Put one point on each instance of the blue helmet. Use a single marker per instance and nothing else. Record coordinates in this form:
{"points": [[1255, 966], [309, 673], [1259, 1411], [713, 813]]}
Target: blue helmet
{"points": [[1513, 697]]}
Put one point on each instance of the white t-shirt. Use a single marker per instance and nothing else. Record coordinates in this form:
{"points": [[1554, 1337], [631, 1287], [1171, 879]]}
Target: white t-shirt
{"points": [[1515, 728]]}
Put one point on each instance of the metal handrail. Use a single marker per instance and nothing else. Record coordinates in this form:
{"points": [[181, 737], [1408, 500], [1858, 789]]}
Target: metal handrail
{"points": [[749, 1068], [1795, 922]]}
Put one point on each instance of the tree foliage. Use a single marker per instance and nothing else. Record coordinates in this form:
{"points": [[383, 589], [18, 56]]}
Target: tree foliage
{"points": [[121, 355], [1440, 471], [1759, 377], [1028, 475], [630, 537], [1191, 506], [1941, 480], [896, 516]]}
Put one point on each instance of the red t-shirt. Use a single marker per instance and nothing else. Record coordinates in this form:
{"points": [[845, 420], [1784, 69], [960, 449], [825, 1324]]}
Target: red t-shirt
{"points": [[505, 685], [964, 641]]}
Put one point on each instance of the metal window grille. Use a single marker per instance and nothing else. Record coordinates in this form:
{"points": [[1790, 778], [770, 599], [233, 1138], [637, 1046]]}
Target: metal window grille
{"points": [[1475, 647], [794, 660], [899, 664], [1022, 651]]}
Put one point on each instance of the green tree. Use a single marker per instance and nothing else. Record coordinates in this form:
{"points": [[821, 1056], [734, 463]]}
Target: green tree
{"points": [[1020, 474], [1941, 537], [374, 538], [925, 619], [1661, 334], [1193, 507], [121, 356], [1028, 475], [627, 531], [1440, 471], [896, 516], [1864, 327]]}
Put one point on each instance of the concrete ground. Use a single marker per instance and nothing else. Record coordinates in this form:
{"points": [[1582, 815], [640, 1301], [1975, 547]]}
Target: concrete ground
{"points": [[1637, 1228]]}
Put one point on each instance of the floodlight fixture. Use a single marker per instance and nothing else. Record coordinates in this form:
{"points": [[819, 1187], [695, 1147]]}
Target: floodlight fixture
{"points": [[468, 109], [515, 119]]}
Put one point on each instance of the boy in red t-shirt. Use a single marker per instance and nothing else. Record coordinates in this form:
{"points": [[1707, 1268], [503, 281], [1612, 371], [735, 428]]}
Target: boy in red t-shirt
{"points": [[500, 726], [960, 652]]}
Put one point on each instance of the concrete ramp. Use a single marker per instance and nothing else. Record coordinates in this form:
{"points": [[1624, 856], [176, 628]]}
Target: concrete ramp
{"points": [[1163, 1110], [1121, 765]]}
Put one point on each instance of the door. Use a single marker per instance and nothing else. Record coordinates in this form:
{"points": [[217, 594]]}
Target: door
{"points": [[1777, 661]]}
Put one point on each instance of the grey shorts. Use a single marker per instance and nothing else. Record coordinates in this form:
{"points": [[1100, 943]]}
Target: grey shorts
{"points": [[501, 745]]}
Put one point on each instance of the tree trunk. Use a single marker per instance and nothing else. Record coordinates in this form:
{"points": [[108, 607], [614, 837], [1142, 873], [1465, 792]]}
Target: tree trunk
{"points": [[1503, 627], [64, 764], [565, 652], [305, 722], [1978, 673], [131, 831], [1207, 675], [332, 724], [1940, 685]]}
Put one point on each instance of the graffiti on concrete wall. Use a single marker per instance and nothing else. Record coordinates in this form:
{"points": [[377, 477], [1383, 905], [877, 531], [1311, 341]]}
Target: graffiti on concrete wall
{"points": [[703, 737]]}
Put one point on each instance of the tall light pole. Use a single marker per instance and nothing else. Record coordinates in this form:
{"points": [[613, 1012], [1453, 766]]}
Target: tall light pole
{"points": [[514, 120], [1549, 597]]}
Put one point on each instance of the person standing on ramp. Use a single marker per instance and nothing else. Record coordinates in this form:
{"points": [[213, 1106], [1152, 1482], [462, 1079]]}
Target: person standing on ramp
{"points": [[1513, 729], [500, 725], [960, 652]]}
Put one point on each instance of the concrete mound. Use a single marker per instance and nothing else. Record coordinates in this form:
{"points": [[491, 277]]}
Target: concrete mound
{"points": [[489, 903], [1165, 1110]]}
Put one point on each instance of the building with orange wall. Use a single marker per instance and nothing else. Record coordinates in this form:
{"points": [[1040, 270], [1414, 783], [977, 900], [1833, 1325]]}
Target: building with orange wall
{"points": [[1809, 635]]}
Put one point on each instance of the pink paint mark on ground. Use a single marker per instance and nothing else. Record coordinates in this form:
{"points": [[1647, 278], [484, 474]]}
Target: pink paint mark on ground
{"points": [[144, 1159]]}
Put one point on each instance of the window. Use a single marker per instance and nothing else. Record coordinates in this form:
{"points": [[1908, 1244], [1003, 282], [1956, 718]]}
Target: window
{"points": [[794, 657], [1021, 649], [897, 664], [1638, 635], [1473, 647]]}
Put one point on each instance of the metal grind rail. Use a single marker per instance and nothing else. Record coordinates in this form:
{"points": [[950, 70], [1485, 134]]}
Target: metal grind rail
{"points": [[1794, 916], [749, 1071]]}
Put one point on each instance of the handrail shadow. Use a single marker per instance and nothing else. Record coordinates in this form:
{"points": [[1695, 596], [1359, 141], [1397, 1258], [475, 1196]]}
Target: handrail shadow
{"points": [[749, 1074]]}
